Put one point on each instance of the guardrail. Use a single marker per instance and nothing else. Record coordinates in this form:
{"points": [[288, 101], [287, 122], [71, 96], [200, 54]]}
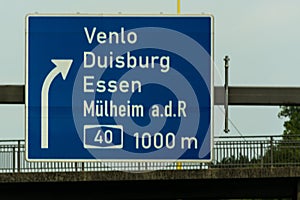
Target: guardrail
{"points": [[229, 152], [258, 151]]}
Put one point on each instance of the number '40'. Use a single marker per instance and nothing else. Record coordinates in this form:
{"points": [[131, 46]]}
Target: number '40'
{"points": [[106, 137]]}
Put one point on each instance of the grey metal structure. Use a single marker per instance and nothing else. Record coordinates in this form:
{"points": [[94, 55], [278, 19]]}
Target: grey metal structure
{"points": [[12, 94], [226, 95], [237, 95], [243, 167], [229, 152]]}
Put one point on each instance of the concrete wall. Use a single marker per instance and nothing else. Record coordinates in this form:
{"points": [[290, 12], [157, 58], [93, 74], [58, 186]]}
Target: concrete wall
{"points": [[223, 173], [191, 184]]}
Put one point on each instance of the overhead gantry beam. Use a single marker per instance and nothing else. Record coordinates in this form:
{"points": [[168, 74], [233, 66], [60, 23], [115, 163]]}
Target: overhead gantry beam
{"points": [[12, 94], [267, 96], [256, 96], [264, 96]]}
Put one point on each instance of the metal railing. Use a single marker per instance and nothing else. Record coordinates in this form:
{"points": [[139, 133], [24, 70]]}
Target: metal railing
{"points": [[229, 152], [258, 151]]}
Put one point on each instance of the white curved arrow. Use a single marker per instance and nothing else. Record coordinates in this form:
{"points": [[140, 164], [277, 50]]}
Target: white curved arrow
{"points": [[61, 67]]}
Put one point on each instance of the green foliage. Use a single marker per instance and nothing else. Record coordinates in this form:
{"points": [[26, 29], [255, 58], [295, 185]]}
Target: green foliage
{"points": [[278, 152], [288, 149], [238, 161], [292, 125]]}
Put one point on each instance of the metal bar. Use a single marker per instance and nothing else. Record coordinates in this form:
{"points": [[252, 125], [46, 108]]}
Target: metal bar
{"points": [[15, 94], [76, 166], [264, 95], [219, 95], [178, 6], [261, 155], [19, 156], [226, 59], [259, 152], [14, 159], [272, 150], [12, 94], [251, 136]]}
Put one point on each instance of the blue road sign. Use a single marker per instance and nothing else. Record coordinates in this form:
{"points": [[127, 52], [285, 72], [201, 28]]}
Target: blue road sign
{"points": [[119, 88]]}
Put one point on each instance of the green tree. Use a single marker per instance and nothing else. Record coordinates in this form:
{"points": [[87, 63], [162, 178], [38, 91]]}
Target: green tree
{"points": [[237, 161], [292, 124], [279, 152], [286, 150]]}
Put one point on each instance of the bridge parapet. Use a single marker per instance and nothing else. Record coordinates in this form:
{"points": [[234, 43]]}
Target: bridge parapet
{"points": [[205, 174], [229, 152], [243, 167]]}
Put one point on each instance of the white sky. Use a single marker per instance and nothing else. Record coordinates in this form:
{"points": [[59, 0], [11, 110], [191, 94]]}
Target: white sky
{"points": [[262, 39]]}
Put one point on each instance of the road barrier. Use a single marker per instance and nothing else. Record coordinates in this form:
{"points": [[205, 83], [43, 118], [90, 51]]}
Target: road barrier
{"points": [[229, 152]]}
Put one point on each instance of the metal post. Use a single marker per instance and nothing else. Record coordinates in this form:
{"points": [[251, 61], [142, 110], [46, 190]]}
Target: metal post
{"points": [[19, 156], [178, 6], [261, 155], [226, 59], [14, 159], [76, 166], [82, 166], [271, 144]]}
